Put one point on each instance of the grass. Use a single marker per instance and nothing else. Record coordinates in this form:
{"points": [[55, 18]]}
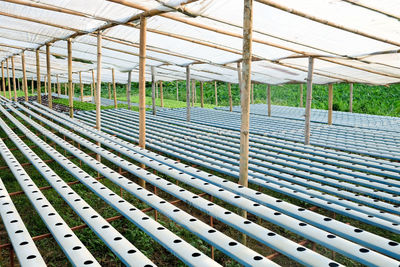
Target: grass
{"points": [[89, 106], [377, 100]]}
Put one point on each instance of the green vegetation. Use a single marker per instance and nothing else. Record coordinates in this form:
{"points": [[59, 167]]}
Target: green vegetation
{"points": [[378, 100], [89, 106]]}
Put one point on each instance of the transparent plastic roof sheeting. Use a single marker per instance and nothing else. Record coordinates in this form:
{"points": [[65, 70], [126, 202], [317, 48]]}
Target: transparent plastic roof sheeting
{"points": [[210, 38]]}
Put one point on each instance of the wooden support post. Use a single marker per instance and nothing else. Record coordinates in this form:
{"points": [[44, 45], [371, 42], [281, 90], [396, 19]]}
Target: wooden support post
{"points": [[188, 93], [177, 91], [25, 82], [252, 93], [45, 85], [3, 80], [109, 90], [142, 87], [14, 80], [32, 90], [202, 94], [153, 89], [93, 88], [301, 95], [330, 103], [38, 81], [239, 70], [65, 89], [49, 99], [193, 91], [98, 88], [161, 94], [128, 90], [58, 87], [245, 100], [216, 93], [269, 99], [307, 130], [91, 91], [8, 80], [351, 98], [156, 90], [71, 89], [230, 97], [114, 89], [81, 85]]}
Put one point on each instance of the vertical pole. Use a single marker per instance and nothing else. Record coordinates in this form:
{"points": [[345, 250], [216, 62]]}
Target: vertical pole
{"points": [[45, 85], [216, 93], [239, 69], [128, 90], [142, 87], [307, 130], [81, 85], [153, 89], [38, 81], [14, 81], [245, 100], [193, 91], [230, 97], [49, 75], [58, 87], [71, 89], [351, 98], [161, 94], [114, 89], [25, 82], [252, 93], [92, 88], [188, 93], [109, 90], [269, 99], [202, 94], [8, 80], [98, 88], [3, 81], [32, 91], [301, 95], [330, 103], [177, 91]]}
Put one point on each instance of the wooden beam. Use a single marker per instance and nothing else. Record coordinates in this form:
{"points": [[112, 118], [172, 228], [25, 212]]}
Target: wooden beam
{"points": [[230, 97], [71, 89], [269, 99], [45, 85], [351, 98], [128, 90], [3, 79], [38, 81], [307, 130], [325, 22], [245, 99], [188, 93], [50, 100], [239, 70], [216, 93], [153, 89], [109, 91], [81, 85], [142, 88], [330, 103], [98, 88], [301, 95], [14, 81], [25, 82], [114, 89], [202, 94], [161, 94], [8, 80]]}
